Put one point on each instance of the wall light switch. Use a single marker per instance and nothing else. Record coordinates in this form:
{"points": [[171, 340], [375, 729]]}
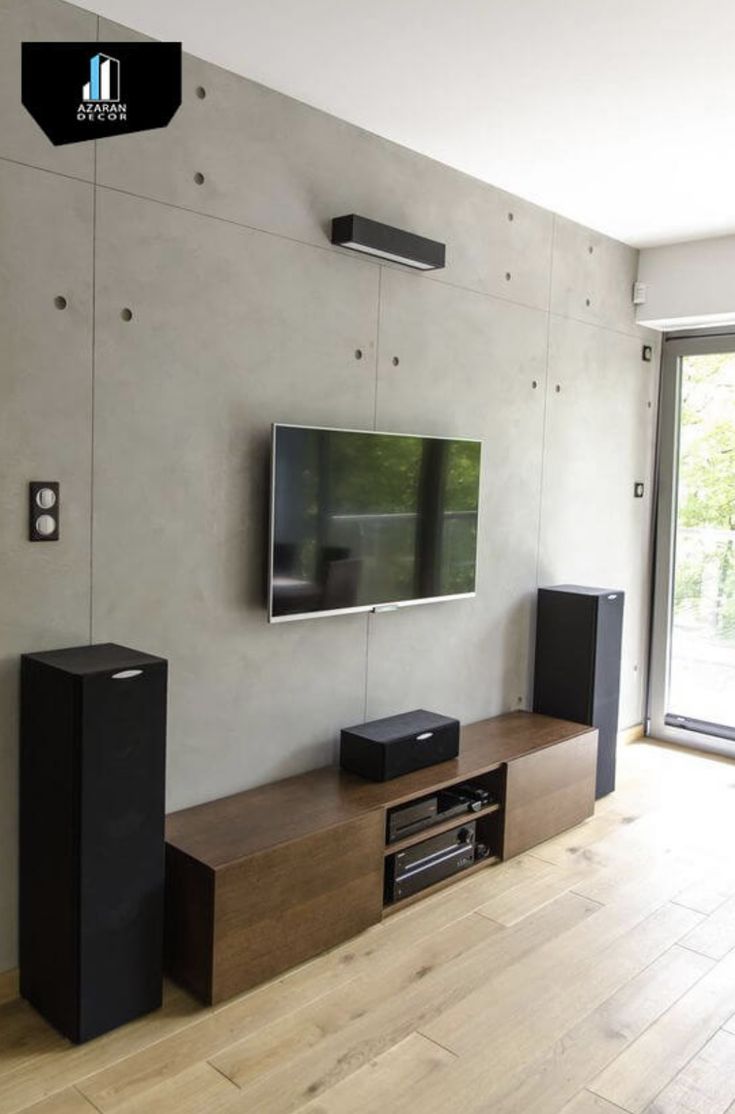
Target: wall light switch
{"points": [[638, 490], [43, 511]]}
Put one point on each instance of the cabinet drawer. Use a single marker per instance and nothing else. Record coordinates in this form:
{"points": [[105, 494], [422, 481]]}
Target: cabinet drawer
{"points": [[282, 906], [549, 791]]}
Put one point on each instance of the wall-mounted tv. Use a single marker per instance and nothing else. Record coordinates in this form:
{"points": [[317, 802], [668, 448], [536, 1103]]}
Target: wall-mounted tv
{"points": [[364, 521]]}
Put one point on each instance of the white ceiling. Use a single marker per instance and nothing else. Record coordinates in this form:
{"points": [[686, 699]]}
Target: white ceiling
{"points": [[616, 113]]}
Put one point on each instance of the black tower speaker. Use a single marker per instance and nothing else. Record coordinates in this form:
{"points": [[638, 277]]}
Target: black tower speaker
{"points": [[578, 640], [92, 779]]}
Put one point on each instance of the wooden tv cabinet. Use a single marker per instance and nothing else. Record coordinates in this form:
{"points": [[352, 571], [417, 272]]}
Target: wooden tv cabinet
{"points": [[265, 879]]}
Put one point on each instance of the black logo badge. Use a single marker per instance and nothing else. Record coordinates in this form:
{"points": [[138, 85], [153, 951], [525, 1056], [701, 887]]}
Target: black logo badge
{"points": [[78, 91]]}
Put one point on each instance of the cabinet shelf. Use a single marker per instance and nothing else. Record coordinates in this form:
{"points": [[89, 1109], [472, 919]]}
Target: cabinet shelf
{"points": [[437, 829]]}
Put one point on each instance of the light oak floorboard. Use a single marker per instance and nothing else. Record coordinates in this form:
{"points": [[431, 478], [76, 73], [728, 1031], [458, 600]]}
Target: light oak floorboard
{"points": [[548, 1082], [565, 978], [708, 894], [640, 1073], [580, 843], [391, 989], [197, 1090], [63, 1102], [525, 1027], [386, 1083], [335, 1040], [252, 1044], [334, 972], [593, 975], [715, 936], [706, 1085], [58, 1064], [587, 1103], [512, 906]]}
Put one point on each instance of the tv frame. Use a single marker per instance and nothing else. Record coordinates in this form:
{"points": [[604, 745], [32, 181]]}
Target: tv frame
{"points": [[365, 609]]}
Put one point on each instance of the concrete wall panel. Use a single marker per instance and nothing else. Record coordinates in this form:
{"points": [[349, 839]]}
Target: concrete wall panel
{"points": [[21, 138], [467, 365], [45, 434], [599, 441], [232, 329], [592, 277], [273, 163]]}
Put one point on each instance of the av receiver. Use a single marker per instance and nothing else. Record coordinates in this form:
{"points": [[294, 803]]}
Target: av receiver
{"points": [[407, 872], [405, 820]]}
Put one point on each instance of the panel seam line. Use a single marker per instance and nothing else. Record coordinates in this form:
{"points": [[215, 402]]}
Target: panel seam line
{"points": [[93, 393], [546, 405], [438, 1044], [634, 333]]}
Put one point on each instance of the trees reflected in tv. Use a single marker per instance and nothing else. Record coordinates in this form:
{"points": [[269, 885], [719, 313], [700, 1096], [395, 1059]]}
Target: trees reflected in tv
{"points": [[369, 520]]}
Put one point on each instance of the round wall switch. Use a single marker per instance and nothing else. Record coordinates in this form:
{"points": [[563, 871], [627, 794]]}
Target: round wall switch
{"points": [[46, 498], [45, 525], [43, 496]]}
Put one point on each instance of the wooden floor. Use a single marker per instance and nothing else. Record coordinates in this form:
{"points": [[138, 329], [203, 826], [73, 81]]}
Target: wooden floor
{"points": [[592, 976]]}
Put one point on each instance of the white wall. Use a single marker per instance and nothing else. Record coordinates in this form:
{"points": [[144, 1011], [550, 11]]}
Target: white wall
{"points": [[688, 284]]}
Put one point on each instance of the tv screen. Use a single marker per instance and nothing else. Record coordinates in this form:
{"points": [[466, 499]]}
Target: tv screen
{"points": [[369, 520]]}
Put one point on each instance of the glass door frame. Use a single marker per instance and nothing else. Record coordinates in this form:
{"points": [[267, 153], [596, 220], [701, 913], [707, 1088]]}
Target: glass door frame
{"points": [[676, 346]]}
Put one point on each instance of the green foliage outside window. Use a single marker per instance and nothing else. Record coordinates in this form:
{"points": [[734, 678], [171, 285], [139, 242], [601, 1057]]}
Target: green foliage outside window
{"points": [[705, 571]]}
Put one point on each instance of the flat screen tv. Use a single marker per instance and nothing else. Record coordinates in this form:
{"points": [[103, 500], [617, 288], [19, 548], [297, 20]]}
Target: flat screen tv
{"points": [[369, 521]]}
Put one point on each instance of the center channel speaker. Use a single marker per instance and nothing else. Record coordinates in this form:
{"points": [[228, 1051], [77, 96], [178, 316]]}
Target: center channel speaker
{"points": [[387, 748], [92, 782]]}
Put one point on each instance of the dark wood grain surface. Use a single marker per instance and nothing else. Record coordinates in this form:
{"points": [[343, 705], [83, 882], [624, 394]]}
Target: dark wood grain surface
{"points": [[189, 927], [549, 791], [265, 879], [223, 831], [280, 907]]}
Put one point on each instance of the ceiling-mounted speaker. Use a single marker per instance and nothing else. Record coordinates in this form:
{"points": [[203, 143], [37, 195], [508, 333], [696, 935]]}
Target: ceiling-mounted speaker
{"points": [[385, 242]]}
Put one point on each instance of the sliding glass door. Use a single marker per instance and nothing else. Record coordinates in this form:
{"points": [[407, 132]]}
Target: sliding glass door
{"points": [[692, 692]]}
